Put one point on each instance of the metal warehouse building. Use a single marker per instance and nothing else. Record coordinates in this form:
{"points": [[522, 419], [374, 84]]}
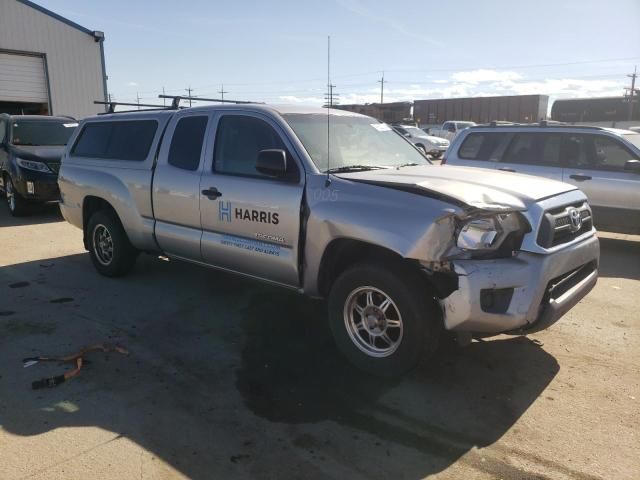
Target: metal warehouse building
{"points": [[48, 64], [511, 108]]}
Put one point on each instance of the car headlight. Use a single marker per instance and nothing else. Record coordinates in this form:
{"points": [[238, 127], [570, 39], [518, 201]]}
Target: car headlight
{"points": [[33, 165], [503, 231]]}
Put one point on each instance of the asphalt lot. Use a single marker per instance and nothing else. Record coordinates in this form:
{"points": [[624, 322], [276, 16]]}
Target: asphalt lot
{"points": [[233, 379]]}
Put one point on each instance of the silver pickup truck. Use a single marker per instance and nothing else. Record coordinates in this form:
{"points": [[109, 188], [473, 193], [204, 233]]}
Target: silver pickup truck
{"points": [[334, 205]]}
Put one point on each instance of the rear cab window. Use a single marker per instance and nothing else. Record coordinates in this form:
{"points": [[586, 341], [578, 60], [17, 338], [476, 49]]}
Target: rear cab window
{"points": [[186, 143], [116, 140]]}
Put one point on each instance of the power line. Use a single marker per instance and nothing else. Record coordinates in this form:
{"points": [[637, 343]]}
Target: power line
{"points": [[448, 69]]}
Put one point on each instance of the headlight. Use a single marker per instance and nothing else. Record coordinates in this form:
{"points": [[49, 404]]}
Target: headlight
{"points": [[488, 234], [32, 165], [478, 234]]}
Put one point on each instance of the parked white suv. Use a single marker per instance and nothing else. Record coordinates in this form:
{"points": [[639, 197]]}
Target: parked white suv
{"points": [[603, 162]]}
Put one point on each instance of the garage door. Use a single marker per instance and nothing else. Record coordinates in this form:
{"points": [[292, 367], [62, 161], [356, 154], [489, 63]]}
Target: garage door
{"points": [[22, 79]]}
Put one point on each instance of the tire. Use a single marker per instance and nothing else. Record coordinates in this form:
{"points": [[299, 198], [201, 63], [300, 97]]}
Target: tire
{"points": [[18, 206], [416, 317], [422, 149], [111, 252]]}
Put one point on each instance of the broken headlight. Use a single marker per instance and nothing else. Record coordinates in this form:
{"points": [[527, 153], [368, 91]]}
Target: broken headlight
{"points": [[501, 233]]}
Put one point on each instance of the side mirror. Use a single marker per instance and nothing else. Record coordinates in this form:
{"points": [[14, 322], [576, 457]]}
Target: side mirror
{"points": [[272, 162], [408, 135], [632, 166]]}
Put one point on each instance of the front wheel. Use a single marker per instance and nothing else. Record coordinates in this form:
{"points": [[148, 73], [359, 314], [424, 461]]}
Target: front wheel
{"points": [[111, 252], [18, 206], [422, 149], [383, 318]]}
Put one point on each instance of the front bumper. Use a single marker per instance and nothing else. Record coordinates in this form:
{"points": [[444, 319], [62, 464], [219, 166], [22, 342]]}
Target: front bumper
{"points": [[539, 288], [45, 185]]}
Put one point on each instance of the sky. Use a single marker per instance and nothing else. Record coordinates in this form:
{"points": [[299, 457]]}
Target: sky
{"points": [[276, 51]]}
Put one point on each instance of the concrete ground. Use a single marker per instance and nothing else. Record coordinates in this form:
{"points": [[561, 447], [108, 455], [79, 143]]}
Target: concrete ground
{"points": [[233, 379]]}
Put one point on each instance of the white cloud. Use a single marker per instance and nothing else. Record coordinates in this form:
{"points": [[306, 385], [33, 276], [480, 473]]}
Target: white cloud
{"points": [[476, 83]]}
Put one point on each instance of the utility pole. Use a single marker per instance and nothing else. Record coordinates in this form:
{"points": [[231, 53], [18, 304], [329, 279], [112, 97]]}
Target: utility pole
{"points": [[331, 97], [222, 92], [189, 90], [632, 91], [164, 100], [381, 82], [138, 100]]}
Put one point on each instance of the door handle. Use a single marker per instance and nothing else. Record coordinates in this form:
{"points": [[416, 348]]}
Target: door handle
{"points": [[505, 169], [580, 177], [211, 193]]}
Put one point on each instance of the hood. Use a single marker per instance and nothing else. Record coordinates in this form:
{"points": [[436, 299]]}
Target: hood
{"points": [[42, 153], [472, 187], [433, 139]]}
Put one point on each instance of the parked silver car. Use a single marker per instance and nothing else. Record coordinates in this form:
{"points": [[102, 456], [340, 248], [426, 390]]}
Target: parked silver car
{"points": [[602, 162], [434, 146]]}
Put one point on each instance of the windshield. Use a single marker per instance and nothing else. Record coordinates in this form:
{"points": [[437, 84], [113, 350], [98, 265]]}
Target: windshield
{"points": [[358, 141], [633, 138], [29, 132], [415, 131]]}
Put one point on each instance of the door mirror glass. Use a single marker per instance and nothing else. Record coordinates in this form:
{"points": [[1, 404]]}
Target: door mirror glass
{"points": [[632, 166], [272, 162]]}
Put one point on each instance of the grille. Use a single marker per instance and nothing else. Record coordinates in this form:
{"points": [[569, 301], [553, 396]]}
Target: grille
{"points": [[559, 227], [54, 166]]}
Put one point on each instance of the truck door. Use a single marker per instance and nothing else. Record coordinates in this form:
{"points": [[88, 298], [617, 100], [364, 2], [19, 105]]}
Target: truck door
{"points": [[250, 221], [598, 169], [176, 185]]}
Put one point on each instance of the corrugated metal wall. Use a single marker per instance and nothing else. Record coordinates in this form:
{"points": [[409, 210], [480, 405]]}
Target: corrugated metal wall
{"points": [[73, 57]]}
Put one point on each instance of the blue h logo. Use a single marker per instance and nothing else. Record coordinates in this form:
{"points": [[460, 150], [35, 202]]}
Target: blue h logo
{"points": [[224, 211]]}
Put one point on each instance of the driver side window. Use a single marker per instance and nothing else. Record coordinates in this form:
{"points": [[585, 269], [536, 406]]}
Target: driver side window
{"points": [[3, 130], [239, 140]]}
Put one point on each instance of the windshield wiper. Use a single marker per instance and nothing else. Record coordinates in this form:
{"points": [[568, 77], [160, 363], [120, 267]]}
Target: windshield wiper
{"points": [[410, 164], [354, 168]]}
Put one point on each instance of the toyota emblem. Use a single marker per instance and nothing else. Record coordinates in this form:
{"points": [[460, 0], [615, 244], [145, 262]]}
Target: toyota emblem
{"points": [[576, 219]]}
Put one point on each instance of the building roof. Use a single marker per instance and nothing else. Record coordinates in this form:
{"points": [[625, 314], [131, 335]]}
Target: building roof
{"points": [[57, 17]]}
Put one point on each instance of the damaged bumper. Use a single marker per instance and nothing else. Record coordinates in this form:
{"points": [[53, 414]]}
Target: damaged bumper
{"points": [[524, 293]]}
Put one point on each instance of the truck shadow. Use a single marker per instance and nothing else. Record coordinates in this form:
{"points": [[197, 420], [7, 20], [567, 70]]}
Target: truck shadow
{"points": [[220, 366]]}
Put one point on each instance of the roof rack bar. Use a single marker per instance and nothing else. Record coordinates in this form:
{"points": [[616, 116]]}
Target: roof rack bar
{"points": [[176, 100], [113, 105]]}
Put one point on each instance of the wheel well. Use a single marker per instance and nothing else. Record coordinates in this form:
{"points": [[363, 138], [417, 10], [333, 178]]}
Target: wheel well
{"points": [[90, 205], [342, 253]]}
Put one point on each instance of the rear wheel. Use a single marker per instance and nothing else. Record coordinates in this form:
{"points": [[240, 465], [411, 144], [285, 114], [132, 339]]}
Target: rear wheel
{"points": [[111, 252], [383, 318], [18, 206]]}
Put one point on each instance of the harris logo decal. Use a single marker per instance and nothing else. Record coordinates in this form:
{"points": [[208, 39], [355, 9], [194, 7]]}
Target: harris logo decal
{"points": [[224, 211]]}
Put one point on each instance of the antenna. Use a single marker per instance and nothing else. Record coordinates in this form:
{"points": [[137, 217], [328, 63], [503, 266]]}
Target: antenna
{"points": [[328, 180]]}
